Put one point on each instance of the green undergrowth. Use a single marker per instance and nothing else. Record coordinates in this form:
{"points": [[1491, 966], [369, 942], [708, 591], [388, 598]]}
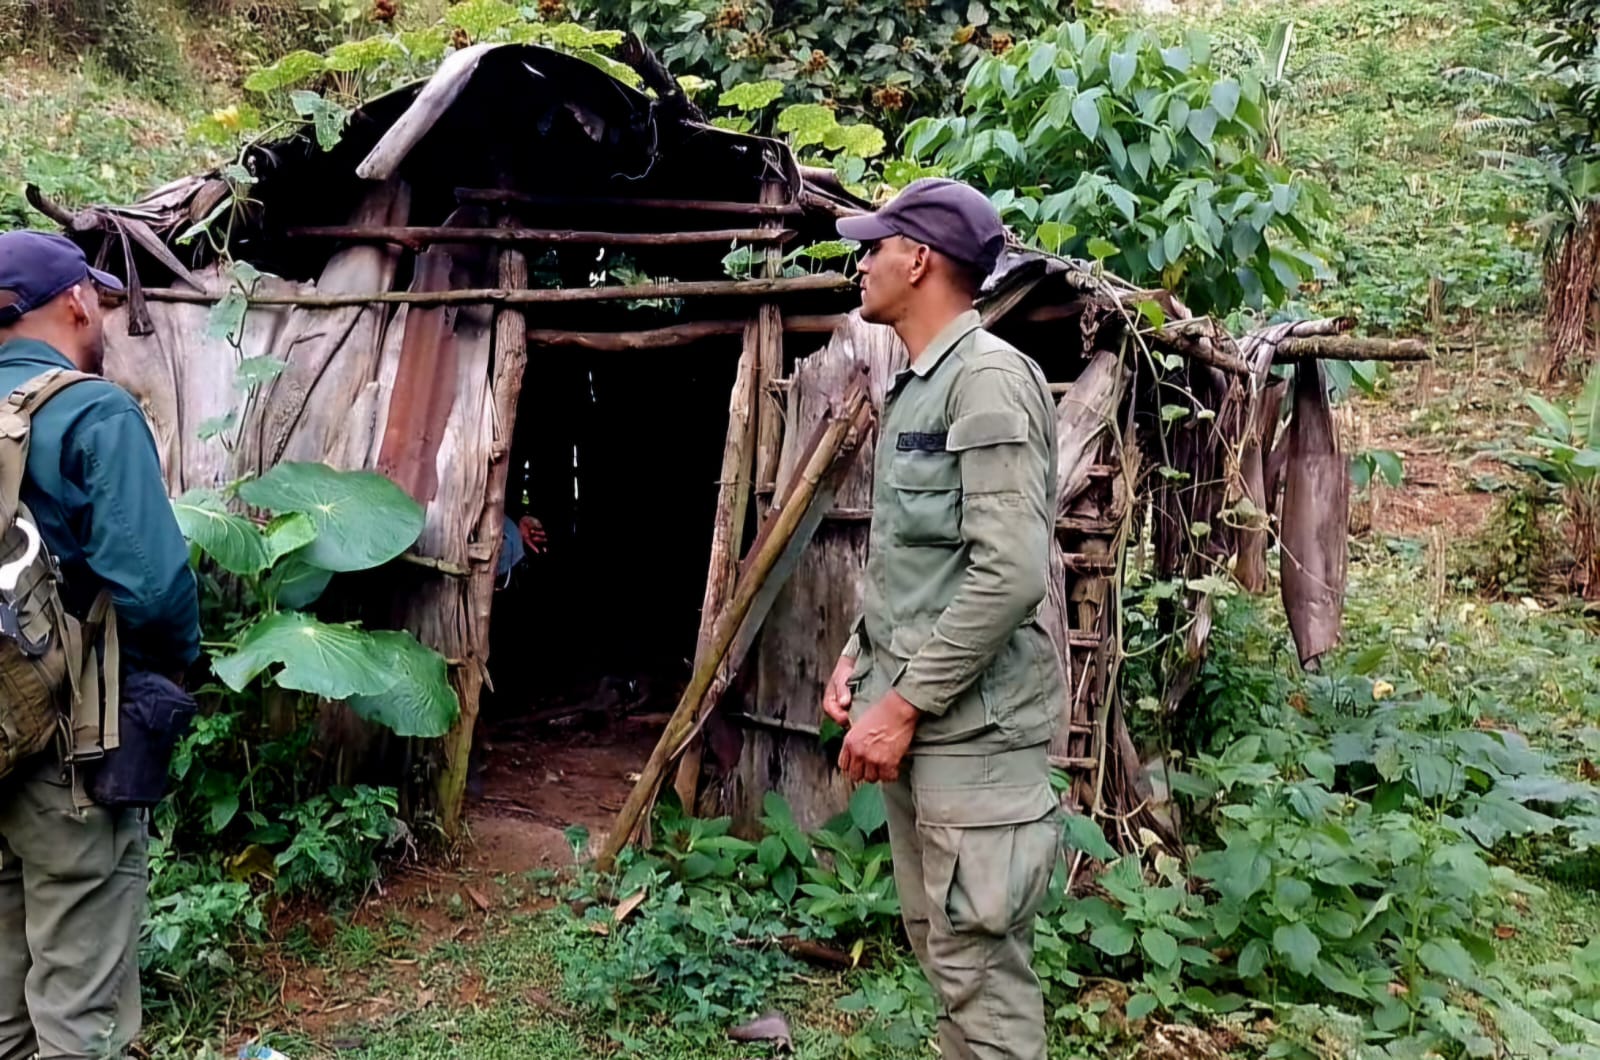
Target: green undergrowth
{"points": [[80, 135], [1374, 106]]}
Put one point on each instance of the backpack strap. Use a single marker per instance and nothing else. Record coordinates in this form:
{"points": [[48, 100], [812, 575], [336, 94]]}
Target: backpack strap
{"points": [[16, 422]]}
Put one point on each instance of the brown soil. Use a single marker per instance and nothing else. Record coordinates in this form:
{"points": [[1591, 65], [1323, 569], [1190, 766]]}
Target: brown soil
{"points": [[529, 792]]}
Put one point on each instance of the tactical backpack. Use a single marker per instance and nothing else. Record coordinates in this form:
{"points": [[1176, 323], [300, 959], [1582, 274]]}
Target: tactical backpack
{"points": [[58, 676]]}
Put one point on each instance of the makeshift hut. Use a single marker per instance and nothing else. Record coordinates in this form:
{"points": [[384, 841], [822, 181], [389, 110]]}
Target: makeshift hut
{"points": [[510, 278]]}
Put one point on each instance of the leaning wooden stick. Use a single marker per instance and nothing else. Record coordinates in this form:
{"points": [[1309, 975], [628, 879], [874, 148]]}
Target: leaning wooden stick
{"points": [[838, 438]]}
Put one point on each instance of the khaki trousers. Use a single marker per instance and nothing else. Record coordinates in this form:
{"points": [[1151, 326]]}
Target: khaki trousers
{"points": [[970, 884], [72, 889]]}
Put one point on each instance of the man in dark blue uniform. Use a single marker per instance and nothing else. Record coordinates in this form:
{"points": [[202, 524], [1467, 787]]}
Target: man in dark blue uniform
{"points": [[72, 879]]}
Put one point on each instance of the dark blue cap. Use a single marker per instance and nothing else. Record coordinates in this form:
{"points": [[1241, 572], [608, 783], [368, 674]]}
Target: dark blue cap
{"points": [[947, 215], [35, 267]]}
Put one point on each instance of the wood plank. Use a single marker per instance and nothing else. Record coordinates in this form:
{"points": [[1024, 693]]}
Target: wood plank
{"points": [[621, 202], [418, 236], [822, 281], [673, 335]]}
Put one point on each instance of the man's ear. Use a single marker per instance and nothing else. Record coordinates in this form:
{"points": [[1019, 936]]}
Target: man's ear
{"points": [[921, 258], [76, 300]]}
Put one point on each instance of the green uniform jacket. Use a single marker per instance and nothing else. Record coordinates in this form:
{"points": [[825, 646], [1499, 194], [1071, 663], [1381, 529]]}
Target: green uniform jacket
{"points": [[963, 513], [95, 489]]}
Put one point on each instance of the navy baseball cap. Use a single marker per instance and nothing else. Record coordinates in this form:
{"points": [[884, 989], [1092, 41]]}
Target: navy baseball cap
{"points": [[951, 217], [35, 267]]}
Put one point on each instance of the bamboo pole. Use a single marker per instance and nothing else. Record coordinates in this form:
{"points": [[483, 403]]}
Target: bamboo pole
{"points": [[612, 202], [822, 281], [675, 334], [417, 237], [828, 458]]}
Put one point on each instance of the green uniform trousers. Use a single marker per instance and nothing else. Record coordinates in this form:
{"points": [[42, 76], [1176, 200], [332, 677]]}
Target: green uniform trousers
{"points": [[970, 884], [72, 889]]}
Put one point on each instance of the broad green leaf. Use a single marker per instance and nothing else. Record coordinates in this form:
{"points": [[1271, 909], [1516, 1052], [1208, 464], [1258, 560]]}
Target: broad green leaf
{"points": [[1160, 148], [1447, 957], [215, 425], [1123, 200], [1083, 834], [334, 662], [857, 141], [1139, 159], [784, 883], [1123, 66], [296, 584], [1202, 125], [327, 117], [1086, 114], [233, 541], [288, 533], [420, 702], [1297, 944], [1253, 958], [1141, 1005], [1101, 249], [1552, 416], [1152, 313], [1159, 946], [1114, 940], [771, 853], [1225, 98], [225, 321], [292, 69], [1586, 413], [866, 808], [806, 123], [1178, 58], [253, 371], [363, 520], [751, 95], [480, 18], [1053, 235], [1390, 465]]}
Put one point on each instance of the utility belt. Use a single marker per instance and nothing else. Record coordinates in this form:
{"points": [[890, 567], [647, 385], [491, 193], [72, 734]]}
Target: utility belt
{"points": [[121, 732]]}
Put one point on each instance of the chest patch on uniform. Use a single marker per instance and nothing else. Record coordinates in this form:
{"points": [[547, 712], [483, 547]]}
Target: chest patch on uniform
{"points": [[921, 442]]}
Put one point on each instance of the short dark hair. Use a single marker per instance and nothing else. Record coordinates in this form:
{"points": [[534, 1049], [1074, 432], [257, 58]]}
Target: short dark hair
{"points": [[969, 278]]}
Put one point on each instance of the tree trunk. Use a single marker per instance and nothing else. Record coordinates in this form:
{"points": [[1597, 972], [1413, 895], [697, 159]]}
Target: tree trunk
{"points": [[1570, 278]]}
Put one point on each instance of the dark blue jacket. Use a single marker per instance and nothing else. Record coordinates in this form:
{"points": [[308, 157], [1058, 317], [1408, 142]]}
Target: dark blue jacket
{"points": [[95, 489]]}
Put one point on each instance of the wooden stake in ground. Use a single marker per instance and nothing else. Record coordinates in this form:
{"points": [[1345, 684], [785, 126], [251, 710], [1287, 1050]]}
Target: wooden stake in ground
{"points": [[760, 430], [783, 534]]}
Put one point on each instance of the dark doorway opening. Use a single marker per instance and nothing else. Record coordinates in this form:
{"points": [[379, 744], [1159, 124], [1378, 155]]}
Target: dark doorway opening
{"points": [[617, 457]]}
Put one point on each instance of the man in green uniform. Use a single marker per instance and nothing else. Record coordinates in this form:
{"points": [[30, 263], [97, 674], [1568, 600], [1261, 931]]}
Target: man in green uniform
{"points": [[72, 880], [949, 686]]}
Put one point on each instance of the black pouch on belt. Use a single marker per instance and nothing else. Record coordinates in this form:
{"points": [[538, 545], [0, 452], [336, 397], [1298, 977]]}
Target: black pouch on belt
{"points": [[155, 713]]}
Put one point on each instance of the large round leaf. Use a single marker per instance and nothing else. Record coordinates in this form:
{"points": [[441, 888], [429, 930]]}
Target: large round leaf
{"points": [[296, 584], [233, 541], [335, 662], [421, 701], [363, 520]]}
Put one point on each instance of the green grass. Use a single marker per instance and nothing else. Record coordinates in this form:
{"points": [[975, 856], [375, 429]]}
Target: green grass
{"points": [[82, 136], [1372, 115]]}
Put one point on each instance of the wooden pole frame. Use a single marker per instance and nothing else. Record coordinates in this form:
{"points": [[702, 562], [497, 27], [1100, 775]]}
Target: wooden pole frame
{"points": [[827, 459], [822, 281]]}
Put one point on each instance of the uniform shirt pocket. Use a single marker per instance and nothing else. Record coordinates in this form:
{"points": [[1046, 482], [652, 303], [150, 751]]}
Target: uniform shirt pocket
{"points": [[927, 493]]}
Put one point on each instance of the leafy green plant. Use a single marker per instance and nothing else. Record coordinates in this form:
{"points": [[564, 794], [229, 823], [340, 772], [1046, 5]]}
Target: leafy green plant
{"points": [[1115, 146], [1567, 454], [894, 61], [322, 522]]}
